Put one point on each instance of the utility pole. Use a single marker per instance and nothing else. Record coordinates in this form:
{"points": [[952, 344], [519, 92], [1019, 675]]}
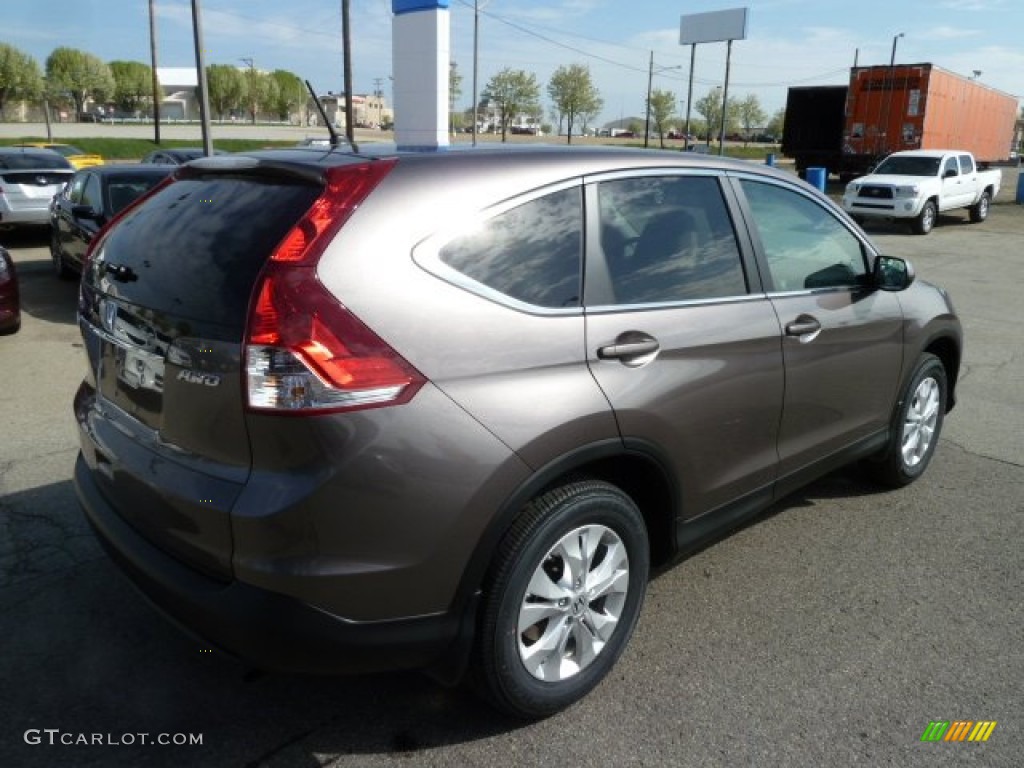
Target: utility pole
{"points": [[647, 121], [725, 99], [157, 96], [378, 94], [204, 97], [689, 98], [476, 34], [346, 35]]}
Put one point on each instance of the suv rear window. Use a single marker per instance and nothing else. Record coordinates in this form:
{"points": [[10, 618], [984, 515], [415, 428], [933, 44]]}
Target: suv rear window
{"points": [[197, 246]]}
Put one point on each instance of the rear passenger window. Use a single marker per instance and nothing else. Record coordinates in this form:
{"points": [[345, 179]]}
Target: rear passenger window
{"points": [[669, 239], [531, 253], [966, 164]]}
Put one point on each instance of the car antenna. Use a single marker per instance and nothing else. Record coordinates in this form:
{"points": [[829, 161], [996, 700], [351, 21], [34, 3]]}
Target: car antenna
{"points": [[335, 139]]}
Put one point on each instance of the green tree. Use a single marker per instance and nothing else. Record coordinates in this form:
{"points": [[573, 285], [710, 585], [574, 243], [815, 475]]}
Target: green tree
{"points": [[454, 93], [663, 104], [77, 76], [513, 91], [710, 107], [750, 115], [774, 126], [226, 88], [260, 91], [289, 93], [133, 85], [574, 95], [20, 76]]}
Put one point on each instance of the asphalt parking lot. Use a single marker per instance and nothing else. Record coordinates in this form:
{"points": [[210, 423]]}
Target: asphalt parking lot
{"points": [[829, 632]]}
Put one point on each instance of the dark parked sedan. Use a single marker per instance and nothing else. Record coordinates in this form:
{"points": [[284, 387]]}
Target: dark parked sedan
{"points": [[178, 156], [92, 198], [10, 303], [335, 421]]}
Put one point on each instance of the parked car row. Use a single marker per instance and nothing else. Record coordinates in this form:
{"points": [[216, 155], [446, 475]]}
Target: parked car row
{"points": [[39, 185]]}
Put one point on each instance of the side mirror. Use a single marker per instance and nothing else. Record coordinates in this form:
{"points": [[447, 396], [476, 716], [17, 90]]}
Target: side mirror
{"points": [[85, 212], [950, 173], [892, 273]]}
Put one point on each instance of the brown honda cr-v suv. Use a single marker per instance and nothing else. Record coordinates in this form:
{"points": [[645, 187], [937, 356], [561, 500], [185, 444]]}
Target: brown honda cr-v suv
{"points": [[349, 412]]}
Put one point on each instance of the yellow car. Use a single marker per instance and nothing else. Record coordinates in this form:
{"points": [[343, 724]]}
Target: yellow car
{"points": [[74, 155]]}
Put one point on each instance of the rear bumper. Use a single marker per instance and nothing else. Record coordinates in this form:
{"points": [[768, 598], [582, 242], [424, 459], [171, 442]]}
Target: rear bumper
{"points": [[25, 215], [270, 630]]}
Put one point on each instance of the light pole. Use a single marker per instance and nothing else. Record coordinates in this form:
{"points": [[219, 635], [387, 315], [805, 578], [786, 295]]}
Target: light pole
{"points": [[650, 79], [892, 87], [476, 58], [251, 64]]}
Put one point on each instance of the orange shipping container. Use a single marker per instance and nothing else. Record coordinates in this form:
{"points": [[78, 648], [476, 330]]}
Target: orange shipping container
{"points": [[921, 106]]}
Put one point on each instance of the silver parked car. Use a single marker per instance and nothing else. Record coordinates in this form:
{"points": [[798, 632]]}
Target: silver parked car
{"points": [[29, 178], [336, 420]]}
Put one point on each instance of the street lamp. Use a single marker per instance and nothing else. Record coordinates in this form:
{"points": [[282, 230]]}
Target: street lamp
{"points": [[650, 78], [892, 58], [249, 62]]}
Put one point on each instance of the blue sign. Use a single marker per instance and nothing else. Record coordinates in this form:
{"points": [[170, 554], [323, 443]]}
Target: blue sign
{"points": [[410, 6]]}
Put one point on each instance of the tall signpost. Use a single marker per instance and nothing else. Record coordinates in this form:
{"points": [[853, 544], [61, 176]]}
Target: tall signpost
{"points": [[421, 44], [713, 27]]}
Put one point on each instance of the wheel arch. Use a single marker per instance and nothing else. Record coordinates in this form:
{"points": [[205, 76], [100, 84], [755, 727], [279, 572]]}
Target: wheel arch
{"points": [[948, 351], [635, 466]]}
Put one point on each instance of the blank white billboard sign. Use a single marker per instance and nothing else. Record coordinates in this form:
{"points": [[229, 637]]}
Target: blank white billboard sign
{"points": [[713, 27]]}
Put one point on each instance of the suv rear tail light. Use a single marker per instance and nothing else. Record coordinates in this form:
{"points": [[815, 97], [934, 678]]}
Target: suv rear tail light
{"points": [[305, 352]]}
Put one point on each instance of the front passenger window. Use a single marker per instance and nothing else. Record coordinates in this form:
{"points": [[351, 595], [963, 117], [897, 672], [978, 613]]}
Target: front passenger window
{"points": [[806, 247], [669, 239]]}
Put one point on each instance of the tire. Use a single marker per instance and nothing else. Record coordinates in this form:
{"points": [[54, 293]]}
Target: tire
{"points": [[916, 426], [979, 211], [60, 267], [926, 219], [552, 628]]}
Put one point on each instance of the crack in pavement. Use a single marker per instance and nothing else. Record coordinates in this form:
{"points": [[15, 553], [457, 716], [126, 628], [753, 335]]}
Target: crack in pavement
{"points": [[979, 455]]}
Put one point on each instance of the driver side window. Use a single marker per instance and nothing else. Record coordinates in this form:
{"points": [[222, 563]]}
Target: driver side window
{"points": [[805, 245]]}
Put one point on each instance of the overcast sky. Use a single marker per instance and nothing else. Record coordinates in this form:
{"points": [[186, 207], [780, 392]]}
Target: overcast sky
{"points": [[789, 42]]}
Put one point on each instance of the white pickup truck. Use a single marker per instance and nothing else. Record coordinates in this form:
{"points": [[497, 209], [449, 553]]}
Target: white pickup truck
{"points": [[916, 185]]}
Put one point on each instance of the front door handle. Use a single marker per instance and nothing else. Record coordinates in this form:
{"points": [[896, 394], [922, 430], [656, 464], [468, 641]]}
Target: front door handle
{"points": [[628, 349], [805, 326]]}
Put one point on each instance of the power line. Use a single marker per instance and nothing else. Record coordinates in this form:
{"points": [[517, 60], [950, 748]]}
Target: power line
{"points": [[525, 29]]}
